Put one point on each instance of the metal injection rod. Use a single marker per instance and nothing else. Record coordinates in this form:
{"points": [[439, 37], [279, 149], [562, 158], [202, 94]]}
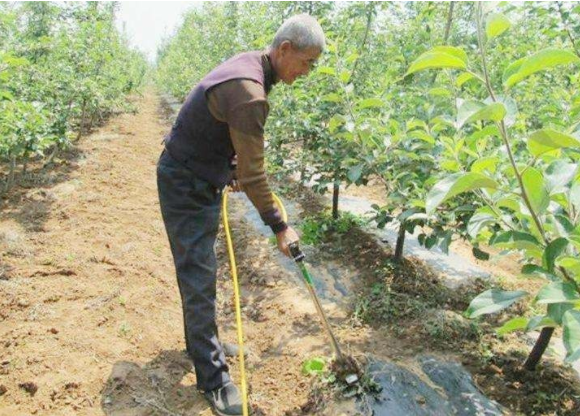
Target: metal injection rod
{"points": [[298, 257]]}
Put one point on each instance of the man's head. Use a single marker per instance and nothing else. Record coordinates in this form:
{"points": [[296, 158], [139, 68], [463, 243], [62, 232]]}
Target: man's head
{"points": [[296, 47]]}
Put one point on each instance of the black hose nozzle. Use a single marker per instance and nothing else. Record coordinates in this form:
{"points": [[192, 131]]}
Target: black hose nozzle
{"points": [[295, 251]]}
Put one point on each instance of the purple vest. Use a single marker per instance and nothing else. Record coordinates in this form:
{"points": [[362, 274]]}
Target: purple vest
{"points": [[197, 139]]}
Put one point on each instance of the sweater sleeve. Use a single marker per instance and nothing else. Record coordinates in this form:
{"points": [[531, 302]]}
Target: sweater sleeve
{"points": [[243, 105]]}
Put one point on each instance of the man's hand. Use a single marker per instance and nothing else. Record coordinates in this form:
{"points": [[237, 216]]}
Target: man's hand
{"points": [[234, 186], [285, 238]]}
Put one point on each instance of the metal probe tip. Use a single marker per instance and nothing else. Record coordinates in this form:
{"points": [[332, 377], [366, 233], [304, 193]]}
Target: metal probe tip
{"points": [[351, 379]]}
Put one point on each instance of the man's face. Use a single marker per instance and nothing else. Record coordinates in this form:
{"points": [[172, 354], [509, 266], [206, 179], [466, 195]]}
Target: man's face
{"points": [[294, 63]]}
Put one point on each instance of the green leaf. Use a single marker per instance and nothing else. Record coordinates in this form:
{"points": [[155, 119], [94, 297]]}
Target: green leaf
{"points": [[552, 251], [479, 220], [439, 92], [456, 184], [414, 123], [542, 60], [534, 185], [559, 174], [326, 70], [562, 225], [354, 173], [575, 195], [491, 301], [545, 140], [345, 77], [556, 311], [370, 103], [510, 105], [535, 270], [479, 254], [571, 324], [352, 57], [439, 57], [496, 24], [485, 164], [557, 292], [313, 366], [512, 69], [571, 264], [335, 122], [332, 97], [463, 78], [509, 202], [512, 325], [453, 51], [471, 111], [516, 240], [538, 322], [422, 135]]}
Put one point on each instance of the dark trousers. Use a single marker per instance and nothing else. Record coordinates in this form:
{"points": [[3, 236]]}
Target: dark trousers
{"points": [[191, 212]]}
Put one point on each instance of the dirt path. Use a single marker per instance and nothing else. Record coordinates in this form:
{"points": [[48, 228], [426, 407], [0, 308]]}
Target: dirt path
{"points": [[90, 316], [90, 313], [87, 291]]}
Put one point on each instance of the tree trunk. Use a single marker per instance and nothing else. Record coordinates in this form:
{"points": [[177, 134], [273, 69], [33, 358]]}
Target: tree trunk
{"points": [[51, 156], [11, 173], [335, 194], [83, 114], [303, 162], [25, 165], [447, 32], [400, 243], [539, 349]]}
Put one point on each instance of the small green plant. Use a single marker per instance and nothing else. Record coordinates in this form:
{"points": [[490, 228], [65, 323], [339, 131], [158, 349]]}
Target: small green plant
{"points": [[122, 300], [316, 365], [124, 329], [316, 228]]}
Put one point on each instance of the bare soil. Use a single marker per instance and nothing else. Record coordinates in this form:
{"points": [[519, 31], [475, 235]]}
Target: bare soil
{"points": [[410, 301], [90, 315]]}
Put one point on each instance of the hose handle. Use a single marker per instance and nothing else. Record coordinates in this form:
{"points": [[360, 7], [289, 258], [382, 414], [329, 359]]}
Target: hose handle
{"points": [[295, 252]]}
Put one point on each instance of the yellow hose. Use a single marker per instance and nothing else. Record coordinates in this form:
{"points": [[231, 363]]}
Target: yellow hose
{"points": [[237, 291], [281, 206], [236, 301]]}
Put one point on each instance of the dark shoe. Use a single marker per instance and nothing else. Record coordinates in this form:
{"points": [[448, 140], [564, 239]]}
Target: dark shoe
{"points": [[225, 400]]}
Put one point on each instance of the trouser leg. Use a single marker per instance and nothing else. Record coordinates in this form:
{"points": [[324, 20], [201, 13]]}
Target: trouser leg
{"points": [[190, 208]]}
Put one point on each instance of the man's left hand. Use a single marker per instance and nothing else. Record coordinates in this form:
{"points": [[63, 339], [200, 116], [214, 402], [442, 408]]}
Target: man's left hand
{"points": [[235, 186]]}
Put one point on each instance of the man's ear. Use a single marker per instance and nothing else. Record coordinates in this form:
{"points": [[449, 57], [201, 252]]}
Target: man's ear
{"points": [[285, 47]]}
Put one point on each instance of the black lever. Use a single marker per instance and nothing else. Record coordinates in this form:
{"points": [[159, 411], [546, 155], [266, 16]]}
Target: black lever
{"points": [[295, 252]]}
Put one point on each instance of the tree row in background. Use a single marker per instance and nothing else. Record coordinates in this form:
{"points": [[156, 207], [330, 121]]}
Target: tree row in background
{"points": [[467, 114], [63, 68]]}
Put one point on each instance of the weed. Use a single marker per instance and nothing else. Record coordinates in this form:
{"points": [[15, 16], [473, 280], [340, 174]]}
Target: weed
{"points": [[124, 329], [447, 328], [122, 300], [315, 229]]}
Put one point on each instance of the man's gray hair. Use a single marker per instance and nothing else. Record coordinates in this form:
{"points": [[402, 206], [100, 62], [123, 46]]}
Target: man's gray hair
{"points": [[303, 31]]}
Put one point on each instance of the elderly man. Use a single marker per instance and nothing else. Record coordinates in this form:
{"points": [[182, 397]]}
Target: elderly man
{"points": [[223, 118]]}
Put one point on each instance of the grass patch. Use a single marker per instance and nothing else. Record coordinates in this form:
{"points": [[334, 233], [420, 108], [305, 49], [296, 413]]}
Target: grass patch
{"points": [[317, 228]]}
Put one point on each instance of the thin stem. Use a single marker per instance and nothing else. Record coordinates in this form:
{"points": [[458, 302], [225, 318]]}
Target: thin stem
{"points": [[495, 211], [447, 31], [504, 136], [503, 132], [568, 32], [365, 37]]}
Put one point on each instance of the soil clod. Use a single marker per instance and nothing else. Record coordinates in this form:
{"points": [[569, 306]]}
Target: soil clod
{"points": [[30, 387]]}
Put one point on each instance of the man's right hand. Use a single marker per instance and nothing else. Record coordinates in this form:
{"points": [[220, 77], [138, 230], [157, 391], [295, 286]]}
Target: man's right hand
{"points": [[285, 238]]}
